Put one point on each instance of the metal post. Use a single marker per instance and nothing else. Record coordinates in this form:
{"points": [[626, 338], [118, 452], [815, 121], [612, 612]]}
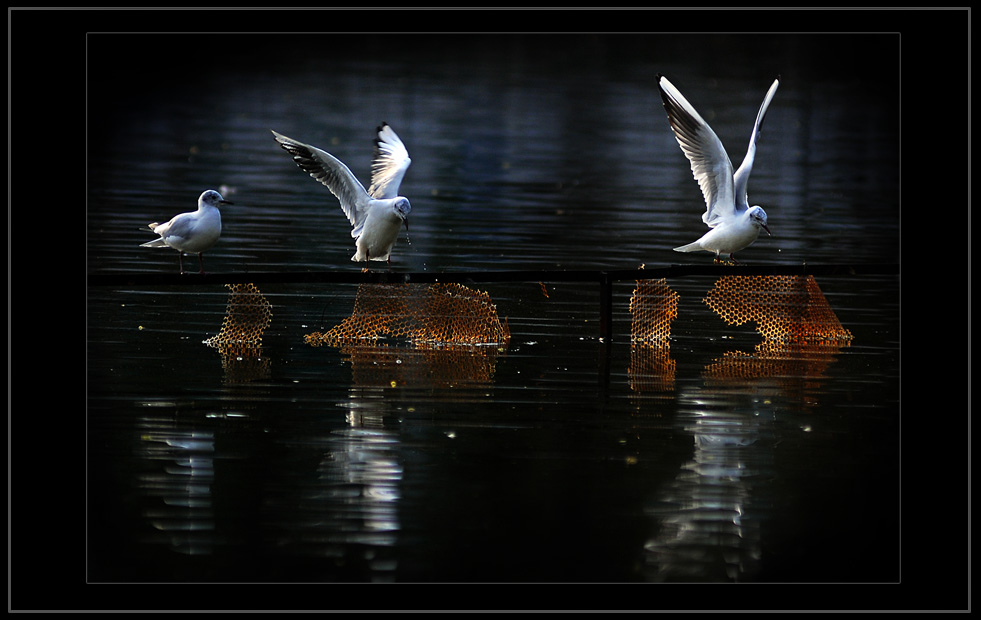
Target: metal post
{"points": [[606, 307]]}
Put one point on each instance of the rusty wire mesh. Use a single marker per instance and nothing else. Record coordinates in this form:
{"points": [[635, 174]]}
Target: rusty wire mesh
{"points": [[653, 306], [436, 315], [796, 322], [800, 330], [454, 332], [247, 315], [784, 309], [790, 309]]}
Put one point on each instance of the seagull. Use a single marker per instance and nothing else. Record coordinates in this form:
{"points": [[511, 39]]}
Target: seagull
{"points": [[191, 232], [735, 225], [377, 213]]}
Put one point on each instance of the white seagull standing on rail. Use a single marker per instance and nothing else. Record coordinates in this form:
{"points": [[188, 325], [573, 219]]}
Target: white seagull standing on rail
{"points": [[377, 214], [192, 232], [735, 225]]}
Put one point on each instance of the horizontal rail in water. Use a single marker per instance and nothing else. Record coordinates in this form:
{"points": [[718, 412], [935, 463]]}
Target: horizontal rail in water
{"points": [[391, 276], [604, 278]]}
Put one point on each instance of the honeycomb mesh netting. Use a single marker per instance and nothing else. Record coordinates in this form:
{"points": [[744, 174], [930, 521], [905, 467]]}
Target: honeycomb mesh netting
{"points": [[247, 315], [455, 333], [801, 333], [790, 309], [437, 314], [653, 306]]}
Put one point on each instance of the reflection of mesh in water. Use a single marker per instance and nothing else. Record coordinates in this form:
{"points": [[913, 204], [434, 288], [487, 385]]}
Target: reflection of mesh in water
{"points": [[652, 369], [247, 316], [435, 314], [790, 361], [785, 308], [421, 366]]}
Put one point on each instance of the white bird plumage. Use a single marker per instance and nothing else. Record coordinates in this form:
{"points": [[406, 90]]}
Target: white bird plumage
{"points": [[192, 232], [734, 223], [376, 214]]}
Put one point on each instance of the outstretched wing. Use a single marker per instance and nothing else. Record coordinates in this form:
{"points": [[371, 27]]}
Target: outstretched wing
{"points": [[709, 161], [741, 179], [332, 172], [390, 162]]}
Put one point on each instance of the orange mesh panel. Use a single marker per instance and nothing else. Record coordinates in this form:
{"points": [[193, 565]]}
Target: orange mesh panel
{"points": [[784, 308], [436, 314], [801, 332], [653, 306], [247, 316]]}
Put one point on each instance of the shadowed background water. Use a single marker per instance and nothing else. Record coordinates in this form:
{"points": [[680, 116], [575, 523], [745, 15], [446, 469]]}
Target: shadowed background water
{"points": [[552, 462]]}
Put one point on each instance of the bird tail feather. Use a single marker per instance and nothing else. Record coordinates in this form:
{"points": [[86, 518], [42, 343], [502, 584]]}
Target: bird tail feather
{"points": [[691, 247]]}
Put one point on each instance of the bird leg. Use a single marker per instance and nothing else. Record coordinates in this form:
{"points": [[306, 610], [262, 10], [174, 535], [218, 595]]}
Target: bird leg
{"points": [[732, 258], [180, 260], [201, 261]]}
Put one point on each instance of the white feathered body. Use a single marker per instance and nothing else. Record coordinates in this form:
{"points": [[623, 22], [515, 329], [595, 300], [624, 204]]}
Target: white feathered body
{"points": [[376, 214], [734, 224], [189, 232], [380, 230], [192, 232], [728, 237]]}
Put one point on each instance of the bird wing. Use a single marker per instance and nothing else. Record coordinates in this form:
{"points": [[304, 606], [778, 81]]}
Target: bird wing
{"points": [[390, 162], [332, 172], [741, 178], [178, 226], [710, 163]]}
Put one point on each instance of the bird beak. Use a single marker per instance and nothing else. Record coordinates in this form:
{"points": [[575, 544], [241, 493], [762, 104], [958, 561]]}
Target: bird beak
{"points": [[226, 202], [766, 229], [406, 222]]}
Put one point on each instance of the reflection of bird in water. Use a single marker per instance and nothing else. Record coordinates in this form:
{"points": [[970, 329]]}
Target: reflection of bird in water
{"points": [[734, 224], [192, 232], [376, 214]]}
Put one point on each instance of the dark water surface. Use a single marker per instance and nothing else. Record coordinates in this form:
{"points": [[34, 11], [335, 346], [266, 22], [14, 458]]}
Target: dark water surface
{"points": [[551, 459]]}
